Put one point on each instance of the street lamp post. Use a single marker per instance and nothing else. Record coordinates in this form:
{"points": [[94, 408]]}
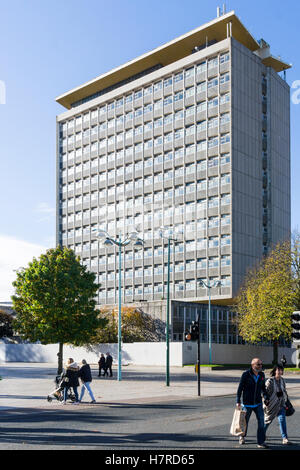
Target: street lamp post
{"points": [[169, 238], [108, 240], [209, 286]]}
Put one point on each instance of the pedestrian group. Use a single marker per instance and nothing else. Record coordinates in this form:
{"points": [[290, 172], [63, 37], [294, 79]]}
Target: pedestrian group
{"points": [[252, 388], [73, 373]]}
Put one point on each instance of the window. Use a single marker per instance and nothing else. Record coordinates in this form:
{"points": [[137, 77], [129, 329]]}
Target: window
{"points": [[157, 86], [178, 96], [201, 67], [212, 103], [178, 77], [213, 142], [224, 98], [213, 262], [148, 91], [201, 87], [213, 122], [190, 72], [213, 242], [225, 118], [213, 202], [224, 57], [225, 260], [224, 78], [213, 82], [225, 179], [212, 63], [189, 92], [225, 240], [128, 99], [225, 138], [168, 100], [138, 94], [168, 82], [201, 146], [201, 107]]}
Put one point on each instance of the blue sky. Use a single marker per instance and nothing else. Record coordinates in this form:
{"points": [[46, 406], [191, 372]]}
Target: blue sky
{"points": [[49, 47]]}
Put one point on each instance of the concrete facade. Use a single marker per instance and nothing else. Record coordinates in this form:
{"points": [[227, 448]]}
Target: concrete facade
{"points": [[199, 145]]}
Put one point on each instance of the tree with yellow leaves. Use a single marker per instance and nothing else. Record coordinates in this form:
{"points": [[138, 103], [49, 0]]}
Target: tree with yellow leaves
{"points": [[136, 326], [267, 299]]}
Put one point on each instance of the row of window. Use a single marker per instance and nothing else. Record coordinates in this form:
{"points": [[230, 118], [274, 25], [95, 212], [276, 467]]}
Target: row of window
{"points": [[141, 183], [143, 164], [199, 146], [181, 190], [158, 122], [159, 270], [156, 87], [141, 130], [157, 288], [188, 92], [201, 243]]}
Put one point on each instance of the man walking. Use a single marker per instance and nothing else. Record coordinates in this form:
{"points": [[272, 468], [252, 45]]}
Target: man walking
{"points": [[101, 363], [252, 387], [108, 364]]}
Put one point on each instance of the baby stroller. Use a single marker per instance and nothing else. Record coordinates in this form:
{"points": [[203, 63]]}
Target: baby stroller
{"points": [[58, 393]]}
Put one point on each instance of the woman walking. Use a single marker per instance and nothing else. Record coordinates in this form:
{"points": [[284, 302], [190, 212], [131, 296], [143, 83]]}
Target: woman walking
{"points": [[276, 390], [71, 379], [86, 378]]}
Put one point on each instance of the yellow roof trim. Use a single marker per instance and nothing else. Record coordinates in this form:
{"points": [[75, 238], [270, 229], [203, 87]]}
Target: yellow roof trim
{"points": [[164, 55], [277, 64]]}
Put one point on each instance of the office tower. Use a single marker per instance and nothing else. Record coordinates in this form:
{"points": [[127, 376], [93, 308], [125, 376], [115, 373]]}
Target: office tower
{"points": [[192, 136]]}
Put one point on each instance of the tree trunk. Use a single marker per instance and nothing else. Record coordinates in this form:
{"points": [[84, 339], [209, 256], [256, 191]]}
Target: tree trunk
{"points": [[275, 352], [60, 359]]}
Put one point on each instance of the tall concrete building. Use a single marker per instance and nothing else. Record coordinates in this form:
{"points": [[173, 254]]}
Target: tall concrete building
{"points": [[193, 136]]}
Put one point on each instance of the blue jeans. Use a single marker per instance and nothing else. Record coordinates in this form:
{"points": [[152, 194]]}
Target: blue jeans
{"points": [[86, 385], [282, 423], [259, 412], [66, 391]]}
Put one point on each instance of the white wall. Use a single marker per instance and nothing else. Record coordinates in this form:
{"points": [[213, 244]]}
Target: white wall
{"points": [[144, 353]]}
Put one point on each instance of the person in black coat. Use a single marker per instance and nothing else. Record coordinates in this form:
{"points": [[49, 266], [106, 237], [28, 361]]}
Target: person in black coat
{"points": [[252, 387], [108, 365], [71, 379], [86, 379], [101, 363]]}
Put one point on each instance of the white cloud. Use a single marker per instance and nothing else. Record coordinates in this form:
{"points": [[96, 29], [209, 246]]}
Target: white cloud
{"points": [[14, 253]]}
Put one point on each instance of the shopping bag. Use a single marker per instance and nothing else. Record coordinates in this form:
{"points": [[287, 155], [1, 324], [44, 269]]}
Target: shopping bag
{"points": [[238, 425]]}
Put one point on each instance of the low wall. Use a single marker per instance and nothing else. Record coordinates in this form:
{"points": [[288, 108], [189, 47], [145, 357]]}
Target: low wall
{"points": [[233, 353], [153, 354]]}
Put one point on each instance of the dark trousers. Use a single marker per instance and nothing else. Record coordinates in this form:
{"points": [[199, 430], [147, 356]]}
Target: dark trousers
{"points": [[100, 369], [259, 412], [66, 393], [110, 371]]}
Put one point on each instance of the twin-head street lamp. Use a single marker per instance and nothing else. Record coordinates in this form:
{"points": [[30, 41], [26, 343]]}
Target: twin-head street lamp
{"points": [[209, 286], [134, 238]]}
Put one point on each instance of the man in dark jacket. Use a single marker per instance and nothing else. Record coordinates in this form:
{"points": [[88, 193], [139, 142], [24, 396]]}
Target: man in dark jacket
{"points": [[101, 363], [252, 387], [108, 364], [86, 378]]}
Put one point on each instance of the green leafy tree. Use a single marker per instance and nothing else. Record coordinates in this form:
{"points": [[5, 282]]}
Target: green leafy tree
{"points": [[55, 301], [267, 299]]}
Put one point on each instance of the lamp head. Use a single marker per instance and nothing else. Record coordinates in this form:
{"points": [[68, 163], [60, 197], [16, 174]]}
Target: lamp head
{"points": [[102, 234], [133, 235], [108, 242], [139, 243]]}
